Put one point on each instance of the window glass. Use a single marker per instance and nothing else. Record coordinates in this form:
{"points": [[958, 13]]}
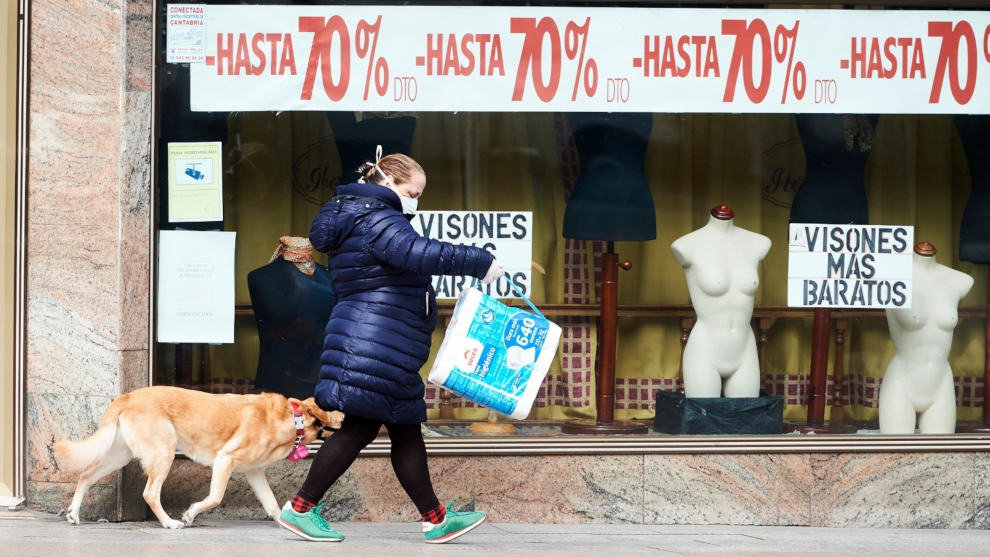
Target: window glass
{"points": [[279, 167]]}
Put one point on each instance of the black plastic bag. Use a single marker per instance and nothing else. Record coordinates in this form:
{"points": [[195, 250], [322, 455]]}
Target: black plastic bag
{"points": [[677, 414]]}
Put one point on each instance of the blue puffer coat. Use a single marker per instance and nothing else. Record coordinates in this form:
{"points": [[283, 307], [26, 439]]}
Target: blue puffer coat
{"points": [[378, 336]]}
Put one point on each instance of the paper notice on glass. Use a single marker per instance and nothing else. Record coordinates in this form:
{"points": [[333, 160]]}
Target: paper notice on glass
{"points": [[508, 235], [195, 182], [196, 286], [849, 266], [185, 33]]}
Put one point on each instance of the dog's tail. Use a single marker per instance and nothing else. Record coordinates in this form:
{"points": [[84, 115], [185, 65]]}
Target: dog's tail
{"points": [[75, 456]]}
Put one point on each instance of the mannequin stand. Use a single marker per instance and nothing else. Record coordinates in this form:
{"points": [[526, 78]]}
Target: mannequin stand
{"points": [[605, 422], [492, 426], [818, 380]]}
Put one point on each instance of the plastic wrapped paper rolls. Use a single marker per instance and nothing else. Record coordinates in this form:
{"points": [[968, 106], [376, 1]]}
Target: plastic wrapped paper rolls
{"points": [[495, 355]]}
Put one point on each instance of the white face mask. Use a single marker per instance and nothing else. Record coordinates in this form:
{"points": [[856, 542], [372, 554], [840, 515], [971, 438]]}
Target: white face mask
{"points": [[409, 204]]}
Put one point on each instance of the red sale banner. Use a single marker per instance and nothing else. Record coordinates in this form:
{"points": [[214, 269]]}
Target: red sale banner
{"points": [[592, 59]]}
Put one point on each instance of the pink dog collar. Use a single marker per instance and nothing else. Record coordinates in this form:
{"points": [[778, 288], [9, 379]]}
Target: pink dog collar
{"points": [[299, 451]]}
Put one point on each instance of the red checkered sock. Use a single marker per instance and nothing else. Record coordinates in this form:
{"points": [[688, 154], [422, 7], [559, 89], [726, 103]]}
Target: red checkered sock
{"points": [[436, 515], [302, 505]]}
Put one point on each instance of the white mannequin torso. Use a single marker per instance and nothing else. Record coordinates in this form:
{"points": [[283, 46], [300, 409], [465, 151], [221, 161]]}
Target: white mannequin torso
{"points": [[720, 264], [918, 383]]}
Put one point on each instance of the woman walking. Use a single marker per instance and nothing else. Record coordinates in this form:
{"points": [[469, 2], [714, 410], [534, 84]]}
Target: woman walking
{"points": [[378, 338]]}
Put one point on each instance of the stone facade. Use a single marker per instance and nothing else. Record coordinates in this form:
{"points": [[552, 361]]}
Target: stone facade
{"points": [[89, 187], [902, 490], [88, 336]]}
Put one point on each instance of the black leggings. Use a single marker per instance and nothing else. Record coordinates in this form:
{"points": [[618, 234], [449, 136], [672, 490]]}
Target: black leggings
{"points": [[342, 448]]}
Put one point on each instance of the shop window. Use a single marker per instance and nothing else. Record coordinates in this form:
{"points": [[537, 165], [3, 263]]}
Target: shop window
{"points": [[279, 167]]}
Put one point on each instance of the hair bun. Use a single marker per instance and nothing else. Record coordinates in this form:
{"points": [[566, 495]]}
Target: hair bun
{"points": [[366, 169]]}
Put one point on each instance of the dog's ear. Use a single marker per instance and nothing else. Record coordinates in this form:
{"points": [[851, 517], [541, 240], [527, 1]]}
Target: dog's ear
{"points": [[332, 419]]}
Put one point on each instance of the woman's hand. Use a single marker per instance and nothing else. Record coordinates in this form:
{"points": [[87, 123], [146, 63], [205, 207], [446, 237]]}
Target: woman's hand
{"points": [[494, 272]]}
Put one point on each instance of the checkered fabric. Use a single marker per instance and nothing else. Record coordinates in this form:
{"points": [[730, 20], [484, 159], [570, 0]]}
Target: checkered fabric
{"points": [[574, 386], [861, 389], [436, 515], [301, 505], [641, 393]]}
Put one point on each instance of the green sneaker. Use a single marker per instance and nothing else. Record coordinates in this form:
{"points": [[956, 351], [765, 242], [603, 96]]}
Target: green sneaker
{"points": [[309, 525], [454, 525]]}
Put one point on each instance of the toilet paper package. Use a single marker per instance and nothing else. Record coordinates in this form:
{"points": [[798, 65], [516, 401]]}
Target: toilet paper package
{"points": [[495, 355]]}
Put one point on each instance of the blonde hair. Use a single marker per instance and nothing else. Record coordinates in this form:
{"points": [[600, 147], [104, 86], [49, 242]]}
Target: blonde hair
{"points": [[401, 168]]}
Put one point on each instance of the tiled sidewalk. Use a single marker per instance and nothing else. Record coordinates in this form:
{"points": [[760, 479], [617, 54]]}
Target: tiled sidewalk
{"points": [[25, 533]]}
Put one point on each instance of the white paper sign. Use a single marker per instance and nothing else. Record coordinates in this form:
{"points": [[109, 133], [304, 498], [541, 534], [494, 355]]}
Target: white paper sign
{"points": [[195, 182], [849, 266], [646, 59], [507, 234], [196, 286], [185, 28]]}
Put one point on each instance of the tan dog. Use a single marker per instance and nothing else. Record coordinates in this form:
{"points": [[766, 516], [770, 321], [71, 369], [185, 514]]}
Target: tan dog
{"points": [[227, 432]]}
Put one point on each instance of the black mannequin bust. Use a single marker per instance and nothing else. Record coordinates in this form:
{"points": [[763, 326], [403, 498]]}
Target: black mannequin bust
{"points": [[836, 148], [356, 140], [974, 232], [292, 309], [611, 199]]}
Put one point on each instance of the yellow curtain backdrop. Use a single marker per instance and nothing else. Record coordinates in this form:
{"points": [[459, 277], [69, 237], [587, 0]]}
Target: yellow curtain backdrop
{"points": [[473, 161], [266, 198], [505, 162], [693, 163], [281, 165], [916, 175]]}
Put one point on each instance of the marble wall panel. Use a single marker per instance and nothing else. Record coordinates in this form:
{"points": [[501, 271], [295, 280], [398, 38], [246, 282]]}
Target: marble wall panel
{"points": [[866, 491], [75, 112], [367, 491], [189, 482], [89, 188], [980, 517], [52, 417], [135, 219], [138, 43], [900, 490], [133, 370], [370, 490], [364, 492], [566, 489], [100, 502], [73, 188], [131, 488], [559, 489], [72, 299], [794, 481], [727, 489], [455, 478], [73, 256], [67, 353]]}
